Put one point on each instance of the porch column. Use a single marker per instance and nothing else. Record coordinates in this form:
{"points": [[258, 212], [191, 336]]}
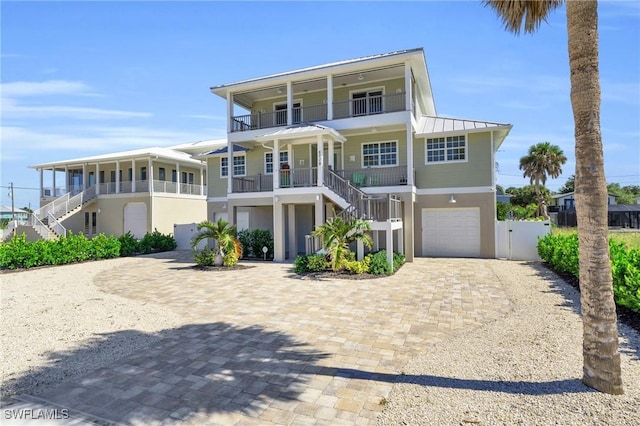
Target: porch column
{"points": [[330, 153], [278, 230], [389, 236], [66, 179], [41, 183], [201, 181], [320, 162], [229, 113], [409, 155], [230, 167], [289, 103], [407, 86], [318, 211], [330, 97], [291, 224], [401, 241], [276, 164], [359, 250], [97, 178], [150, 176], [178, 177], [408, 226], [84, 176], [133, 175], [117, 176], [55, 194]]}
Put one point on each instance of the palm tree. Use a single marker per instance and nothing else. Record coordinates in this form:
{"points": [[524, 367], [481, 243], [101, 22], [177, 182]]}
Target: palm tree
{"points": [[542, 160], [601, 367], [224, 236], [337, 234]]}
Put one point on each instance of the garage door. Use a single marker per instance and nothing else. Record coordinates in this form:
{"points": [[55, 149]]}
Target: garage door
{"points": [[451, 232], [135, 219]]}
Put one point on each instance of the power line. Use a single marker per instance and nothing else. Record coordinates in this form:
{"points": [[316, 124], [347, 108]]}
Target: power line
{"points": [[20, 187]]}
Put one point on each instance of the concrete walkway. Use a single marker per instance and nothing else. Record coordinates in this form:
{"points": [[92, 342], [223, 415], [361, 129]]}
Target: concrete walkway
{"points": [[261, 345]]}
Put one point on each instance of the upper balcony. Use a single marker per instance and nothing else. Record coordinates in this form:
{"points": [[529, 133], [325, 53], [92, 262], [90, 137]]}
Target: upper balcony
{"points": [[370, 103]]}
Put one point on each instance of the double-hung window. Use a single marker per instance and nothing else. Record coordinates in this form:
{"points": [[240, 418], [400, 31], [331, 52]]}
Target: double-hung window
{"points": [[380, 154], [268, 161], [446, 149], [239, 166]]}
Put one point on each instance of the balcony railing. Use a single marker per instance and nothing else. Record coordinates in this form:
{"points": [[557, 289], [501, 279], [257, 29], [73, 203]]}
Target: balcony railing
{"points": [[162, 186], [370, 105], [378, 176], [255, 183]]}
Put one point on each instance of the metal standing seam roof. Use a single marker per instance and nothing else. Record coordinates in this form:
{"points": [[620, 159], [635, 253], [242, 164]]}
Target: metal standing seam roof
{"points": [[224, 150], [319, 67], [165, 153], [435, 125], [302, 130], [6, 209]]}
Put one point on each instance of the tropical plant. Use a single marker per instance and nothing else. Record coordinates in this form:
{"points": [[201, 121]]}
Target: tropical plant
{"points": [[601, 366], [223, 234], [542, 160], [337, 234]]}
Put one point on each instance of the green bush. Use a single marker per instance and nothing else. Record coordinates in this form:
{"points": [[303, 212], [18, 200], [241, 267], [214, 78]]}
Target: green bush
{"points": [[562, 253], [317, 263], [358, 267], [230, 259], [398, 260], [245, 238], [128, 244], [20, 253], [261, 238], [205, 257], [378, 263], [301, 264]]}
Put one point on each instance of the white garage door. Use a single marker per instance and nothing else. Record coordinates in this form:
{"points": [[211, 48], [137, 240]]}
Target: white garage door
{"points": [[451, 232], [135, 219]]}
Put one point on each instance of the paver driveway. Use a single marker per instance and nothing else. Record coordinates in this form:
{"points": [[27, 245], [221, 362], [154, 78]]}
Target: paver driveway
{"points": [[260, 344]]}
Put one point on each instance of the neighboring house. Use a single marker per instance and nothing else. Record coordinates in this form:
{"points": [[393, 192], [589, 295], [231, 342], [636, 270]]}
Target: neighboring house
{"points": [[136, 191], [638, 200], [618, 216], [566, 201], [7, 214], [362, 138]]}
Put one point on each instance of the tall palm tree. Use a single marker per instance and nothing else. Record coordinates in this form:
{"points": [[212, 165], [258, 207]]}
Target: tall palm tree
{"points": [[601, 367], [542, 160], [337, 234]]}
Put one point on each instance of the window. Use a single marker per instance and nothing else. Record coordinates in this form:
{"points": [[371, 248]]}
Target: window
{"points": [[101, 176], [161, 174], [268, 161], [184, 177], [130, 174], [380, 154], [367, 102], [239, 166], [449, 149], [191, 178], [143, 173], [174, 175], [112, 175]]}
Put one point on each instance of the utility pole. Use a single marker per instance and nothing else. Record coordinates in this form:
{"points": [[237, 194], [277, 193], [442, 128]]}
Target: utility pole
{"points": [[13, 209]]}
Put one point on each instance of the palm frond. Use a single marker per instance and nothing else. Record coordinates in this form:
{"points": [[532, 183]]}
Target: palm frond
{"points": [[516, 13]]}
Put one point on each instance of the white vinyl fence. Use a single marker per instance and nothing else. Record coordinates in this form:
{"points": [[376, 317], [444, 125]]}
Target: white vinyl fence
{"points": [[184, 233], [518, 240]]}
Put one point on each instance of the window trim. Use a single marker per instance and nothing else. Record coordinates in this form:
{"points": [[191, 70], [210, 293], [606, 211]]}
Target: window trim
{"points": [[234, 156], [295, 101], [445, 161], [367, 90], [281, 163], [397, 163]]}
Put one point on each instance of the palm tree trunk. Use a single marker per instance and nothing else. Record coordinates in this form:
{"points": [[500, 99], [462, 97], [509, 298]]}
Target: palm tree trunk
{"points": [[600, 330], [539, 197]]}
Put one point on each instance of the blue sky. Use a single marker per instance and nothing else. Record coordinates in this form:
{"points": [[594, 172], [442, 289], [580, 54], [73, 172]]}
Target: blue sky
{"points": [[86, 78]]}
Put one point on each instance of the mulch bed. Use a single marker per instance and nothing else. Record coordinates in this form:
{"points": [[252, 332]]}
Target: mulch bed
{"points": [[222, 268], [625, 315]]}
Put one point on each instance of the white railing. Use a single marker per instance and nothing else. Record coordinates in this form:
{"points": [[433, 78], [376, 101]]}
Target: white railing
{"points": [[56, 226], [39, 227]]}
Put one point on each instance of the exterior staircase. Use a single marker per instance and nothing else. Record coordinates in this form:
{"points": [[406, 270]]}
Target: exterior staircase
{"points": [[46, 221]]}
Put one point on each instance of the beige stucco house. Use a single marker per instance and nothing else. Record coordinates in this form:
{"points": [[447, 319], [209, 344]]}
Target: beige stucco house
{"points": [[359, 138], [136, 191]]}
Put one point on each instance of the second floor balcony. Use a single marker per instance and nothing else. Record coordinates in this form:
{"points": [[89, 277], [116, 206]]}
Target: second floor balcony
{"points": [[369, 104]]}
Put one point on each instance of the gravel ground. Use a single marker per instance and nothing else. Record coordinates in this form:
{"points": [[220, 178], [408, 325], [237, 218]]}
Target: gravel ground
{"points": [[522, 369], [49, 313]]}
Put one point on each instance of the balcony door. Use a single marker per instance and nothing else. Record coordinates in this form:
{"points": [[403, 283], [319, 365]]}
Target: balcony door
{"points": [[280, 114], [366, 102]]}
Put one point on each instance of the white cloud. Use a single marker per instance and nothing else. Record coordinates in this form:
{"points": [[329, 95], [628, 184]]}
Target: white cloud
{"points": [[205, 117], [10, 109], [40, 88]]}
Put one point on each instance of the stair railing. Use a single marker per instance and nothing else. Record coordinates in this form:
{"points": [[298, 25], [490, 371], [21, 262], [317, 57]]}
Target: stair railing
{"points": [[39, 227], [56, 226]]}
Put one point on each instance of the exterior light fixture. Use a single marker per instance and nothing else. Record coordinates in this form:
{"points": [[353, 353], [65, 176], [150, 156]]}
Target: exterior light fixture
{"points": [[452, 199], [360, 77], [279, 90]]}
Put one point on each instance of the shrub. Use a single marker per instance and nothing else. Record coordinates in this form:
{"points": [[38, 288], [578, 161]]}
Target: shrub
{"points": [[301, 264], [230, 259], [103, 247], [261, 238], [245, 238], [358, 267], [562, 253], [378, 263], [204, 257], [317, 263], [128, 244]]}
